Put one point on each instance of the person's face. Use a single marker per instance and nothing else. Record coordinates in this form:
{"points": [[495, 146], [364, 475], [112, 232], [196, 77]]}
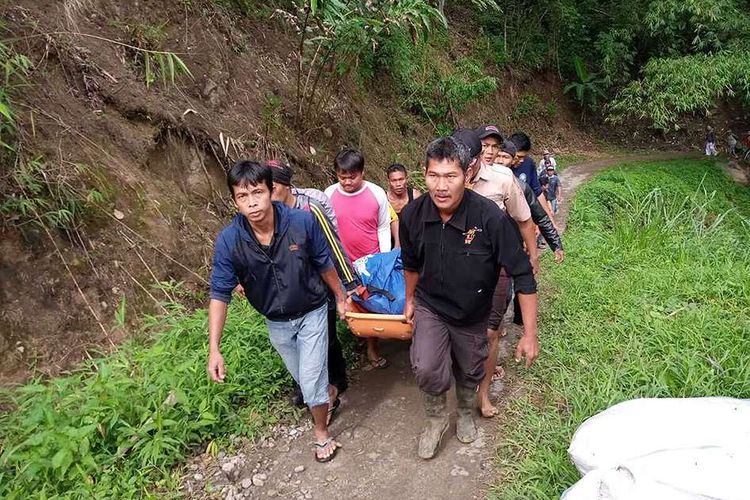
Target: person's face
{"points": [[550, 172], [350, 182], [281, 192], [490, 147], [445, 184], [253, 202], [520, 156], [397, 183], [504, 159]]}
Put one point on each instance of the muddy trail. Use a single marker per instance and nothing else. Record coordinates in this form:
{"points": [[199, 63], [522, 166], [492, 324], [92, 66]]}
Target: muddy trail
{"points": [[378, 423]]}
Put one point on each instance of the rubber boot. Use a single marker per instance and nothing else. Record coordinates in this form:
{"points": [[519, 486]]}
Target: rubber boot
{"points": [[435, 426], [466, 428]]}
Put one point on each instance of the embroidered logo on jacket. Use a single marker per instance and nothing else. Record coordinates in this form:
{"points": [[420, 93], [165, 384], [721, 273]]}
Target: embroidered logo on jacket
{"points": [[471, 234], [293, 247]]}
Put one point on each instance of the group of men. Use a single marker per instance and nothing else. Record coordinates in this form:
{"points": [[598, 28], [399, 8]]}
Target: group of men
{"points": [[467, 247]]}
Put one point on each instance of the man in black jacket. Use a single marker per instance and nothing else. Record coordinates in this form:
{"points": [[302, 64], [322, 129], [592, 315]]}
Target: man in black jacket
{"points": [[454, 243], [280, 257]]}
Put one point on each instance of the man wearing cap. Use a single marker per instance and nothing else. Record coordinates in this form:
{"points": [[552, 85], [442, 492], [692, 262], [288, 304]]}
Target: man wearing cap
{"points": [[497, 182], [547, 161], [317, 203], [453, 244]]}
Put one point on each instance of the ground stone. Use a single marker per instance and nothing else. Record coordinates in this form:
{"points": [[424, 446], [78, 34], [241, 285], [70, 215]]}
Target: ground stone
{"points": [[299, 468], [247, 483]]}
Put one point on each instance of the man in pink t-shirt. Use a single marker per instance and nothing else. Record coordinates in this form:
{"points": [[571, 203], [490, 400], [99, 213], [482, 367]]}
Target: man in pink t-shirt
{"points": [[361, 208]]}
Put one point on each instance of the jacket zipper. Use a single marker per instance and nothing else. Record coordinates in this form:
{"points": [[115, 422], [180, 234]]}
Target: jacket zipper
{"points": [[442, 253]]}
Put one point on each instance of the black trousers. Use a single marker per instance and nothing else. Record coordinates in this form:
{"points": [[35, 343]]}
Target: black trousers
{"points": [[336, 361]]}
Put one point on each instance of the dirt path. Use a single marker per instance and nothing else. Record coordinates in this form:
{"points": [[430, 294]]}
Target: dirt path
{"points": [[378, 425]]}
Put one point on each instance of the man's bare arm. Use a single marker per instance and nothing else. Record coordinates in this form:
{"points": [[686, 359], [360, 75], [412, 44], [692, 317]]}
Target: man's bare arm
{"points": [[528, 344], [331, 278], [217, 316], [411, 278]]}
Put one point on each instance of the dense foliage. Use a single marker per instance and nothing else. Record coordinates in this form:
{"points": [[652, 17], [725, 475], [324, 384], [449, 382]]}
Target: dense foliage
{"points": [[114, 428], [657, 58], [652, 302]]}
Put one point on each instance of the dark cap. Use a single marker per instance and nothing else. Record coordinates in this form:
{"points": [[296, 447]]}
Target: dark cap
{"points": [[488, 130], [468, 138], [508, 147], [281, 174]]}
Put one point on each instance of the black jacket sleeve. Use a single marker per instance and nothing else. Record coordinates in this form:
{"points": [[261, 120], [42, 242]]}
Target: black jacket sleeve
{"points": [[541, 219], [511, 256], [341, 261]]}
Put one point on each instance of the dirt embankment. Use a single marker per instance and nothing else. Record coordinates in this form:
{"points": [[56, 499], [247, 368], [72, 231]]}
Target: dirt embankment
{"points": [[156, 156]]}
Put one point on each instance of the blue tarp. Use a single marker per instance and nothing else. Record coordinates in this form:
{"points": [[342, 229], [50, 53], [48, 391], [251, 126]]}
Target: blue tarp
{"points": [[382, 276]]}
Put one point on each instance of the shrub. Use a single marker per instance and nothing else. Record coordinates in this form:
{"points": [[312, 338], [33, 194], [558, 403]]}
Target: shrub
{"points": [[116, 426]]}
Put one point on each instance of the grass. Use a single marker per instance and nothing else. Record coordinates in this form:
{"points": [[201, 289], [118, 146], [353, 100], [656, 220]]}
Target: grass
{"points": [[116, 427], [652, 301], [564, 160]]}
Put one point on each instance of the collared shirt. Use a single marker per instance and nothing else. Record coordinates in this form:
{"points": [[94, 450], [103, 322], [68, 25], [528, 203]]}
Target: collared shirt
{"points": [[459, 261], [497, 183]]}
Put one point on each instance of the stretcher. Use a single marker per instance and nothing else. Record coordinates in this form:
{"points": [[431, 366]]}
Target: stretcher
{"points": [[384, 326]]}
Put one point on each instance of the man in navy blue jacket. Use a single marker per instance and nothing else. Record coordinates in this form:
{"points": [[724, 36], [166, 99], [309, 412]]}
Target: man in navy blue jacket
{"points": [[282, 260], [524, 167]]}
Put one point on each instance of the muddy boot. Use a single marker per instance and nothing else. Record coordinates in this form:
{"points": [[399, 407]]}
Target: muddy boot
{"points": [[466, 429], [436, 424]]}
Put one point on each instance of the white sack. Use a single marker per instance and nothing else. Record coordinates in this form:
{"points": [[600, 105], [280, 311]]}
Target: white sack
{"points": [[664, 449]]}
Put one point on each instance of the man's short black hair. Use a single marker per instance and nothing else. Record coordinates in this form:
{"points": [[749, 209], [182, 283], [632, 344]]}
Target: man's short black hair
{"points": [[349, 160], [448, 148], [522, 141], [250, 172], [395, 167]]}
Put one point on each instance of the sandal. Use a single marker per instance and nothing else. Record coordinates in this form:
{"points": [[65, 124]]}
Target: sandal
{"points": [[381, 363], [325, 444], [332, 410]]}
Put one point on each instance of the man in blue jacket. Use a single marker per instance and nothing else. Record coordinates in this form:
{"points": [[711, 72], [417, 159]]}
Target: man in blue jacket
{"points": [[280, 257]]}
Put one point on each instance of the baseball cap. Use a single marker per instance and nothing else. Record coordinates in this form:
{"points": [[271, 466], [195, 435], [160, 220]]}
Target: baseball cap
{"points": [[468, 138], [488, 130], [508, 147], [281, 174]]}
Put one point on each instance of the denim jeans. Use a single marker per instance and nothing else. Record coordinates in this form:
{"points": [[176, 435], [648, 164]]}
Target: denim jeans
{"points": [[303, 345], [553, 202]]}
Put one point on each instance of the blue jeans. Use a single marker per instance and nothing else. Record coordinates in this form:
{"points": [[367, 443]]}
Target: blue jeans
{"points": [[302, 344], [553, 202]]}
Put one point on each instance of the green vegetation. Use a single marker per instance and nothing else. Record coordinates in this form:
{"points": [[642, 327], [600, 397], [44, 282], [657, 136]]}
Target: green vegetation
{"points": [[656, 59], [431, 86], [15, 67], [337, 36], [48, 195], [652, 302], [114, 428], [145, 42]]}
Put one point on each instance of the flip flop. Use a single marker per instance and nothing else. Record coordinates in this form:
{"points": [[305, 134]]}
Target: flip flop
{"points": [[332, 410], [323, 445], [381, 363]]}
